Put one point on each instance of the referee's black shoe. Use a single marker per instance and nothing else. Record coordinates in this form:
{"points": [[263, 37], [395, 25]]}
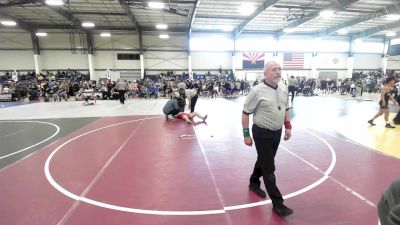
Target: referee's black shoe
{"points": [[282, 210], [256, 189]]}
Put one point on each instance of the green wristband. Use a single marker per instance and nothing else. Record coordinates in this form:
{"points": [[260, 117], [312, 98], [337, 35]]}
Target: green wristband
{"points": [[246, 132]]}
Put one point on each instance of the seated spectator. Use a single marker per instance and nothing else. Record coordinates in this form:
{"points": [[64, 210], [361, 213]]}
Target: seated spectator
{"points": [[135, 89], [88, 96], [143, 92], [34, 94], [6, 89], [51, 92], [62, 94], [154, 91]]}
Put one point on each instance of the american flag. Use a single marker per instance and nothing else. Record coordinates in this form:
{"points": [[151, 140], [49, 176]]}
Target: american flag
{"points": [[293, 60], [253, 60]]}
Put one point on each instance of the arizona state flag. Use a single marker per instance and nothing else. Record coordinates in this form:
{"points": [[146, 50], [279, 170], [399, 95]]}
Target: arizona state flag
{"points": [[253, 60]]}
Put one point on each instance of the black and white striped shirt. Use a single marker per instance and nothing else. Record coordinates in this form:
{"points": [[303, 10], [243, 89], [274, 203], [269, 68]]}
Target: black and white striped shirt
{"points": [[268, 104]]}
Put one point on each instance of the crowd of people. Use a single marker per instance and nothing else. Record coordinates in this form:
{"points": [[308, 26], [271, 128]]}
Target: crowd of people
{"points": [[43, 87], [67, 85], [360, 83], [70, 84]]}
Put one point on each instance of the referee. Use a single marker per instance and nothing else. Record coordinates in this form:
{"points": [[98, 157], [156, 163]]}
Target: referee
{"points": [[389, 205], [121, 88], [268, 101]]}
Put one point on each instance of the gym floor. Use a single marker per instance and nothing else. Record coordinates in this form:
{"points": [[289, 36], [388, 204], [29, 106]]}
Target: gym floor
{"points": [[106, 164]]}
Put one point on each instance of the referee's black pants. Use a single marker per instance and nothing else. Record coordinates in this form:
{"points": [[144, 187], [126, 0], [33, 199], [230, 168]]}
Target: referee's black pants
{"points": [[267, 142], [193, 102], [121, 94], [292, 89]]}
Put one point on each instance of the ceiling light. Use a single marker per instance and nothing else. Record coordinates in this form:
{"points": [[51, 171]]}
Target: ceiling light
{"points": [[162, 26], [358, 41], [246, 9], [164, 36], [8, 23], [105, 34], [156, 5], [227, 28], [343, 32], [327, 13], [54, 2], [391, 34], [392, 17], [41, 34], [87, 24], [289, 30]]}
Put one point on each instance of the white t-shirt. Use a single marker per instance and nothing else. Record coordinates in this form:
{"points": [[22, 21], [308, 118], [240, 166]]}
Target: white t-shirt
{"points": [[190, 93], [6, 90]]}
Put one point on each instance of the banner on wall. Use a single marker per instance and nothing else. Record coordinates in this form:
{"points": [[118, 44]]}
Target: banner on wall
{"points": [[108, 73], [253, 60], [293, 60], [332, 61], [14, 76]]}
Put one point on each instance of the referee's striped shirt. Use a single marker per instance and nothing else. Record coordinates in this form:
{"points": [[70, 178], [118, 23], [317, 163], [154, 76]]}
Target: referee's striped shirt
{"points": [[268, 104]]}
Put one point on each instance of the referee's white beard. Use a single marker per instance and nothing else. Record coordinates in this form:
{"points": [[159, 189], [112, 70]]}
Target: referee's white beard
{"points": [[276, 80], [272, 81]]}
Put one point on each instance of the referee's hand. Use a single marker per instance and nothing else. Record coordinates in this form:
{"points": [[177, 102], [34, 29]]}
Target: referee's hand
{"points": [[288, 134], [248, 141]]}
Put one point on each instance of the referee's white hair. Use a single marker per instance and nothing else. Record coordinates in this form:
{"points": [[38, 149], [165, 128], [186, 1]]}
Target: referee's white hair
{"points": [[269, 63]]}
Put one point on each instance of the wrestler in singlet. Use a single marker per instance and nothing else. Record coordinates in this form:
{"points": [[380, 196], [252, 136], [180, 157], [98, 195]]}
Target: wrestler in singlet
{"points": [[387, 97], [384, 106]]}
